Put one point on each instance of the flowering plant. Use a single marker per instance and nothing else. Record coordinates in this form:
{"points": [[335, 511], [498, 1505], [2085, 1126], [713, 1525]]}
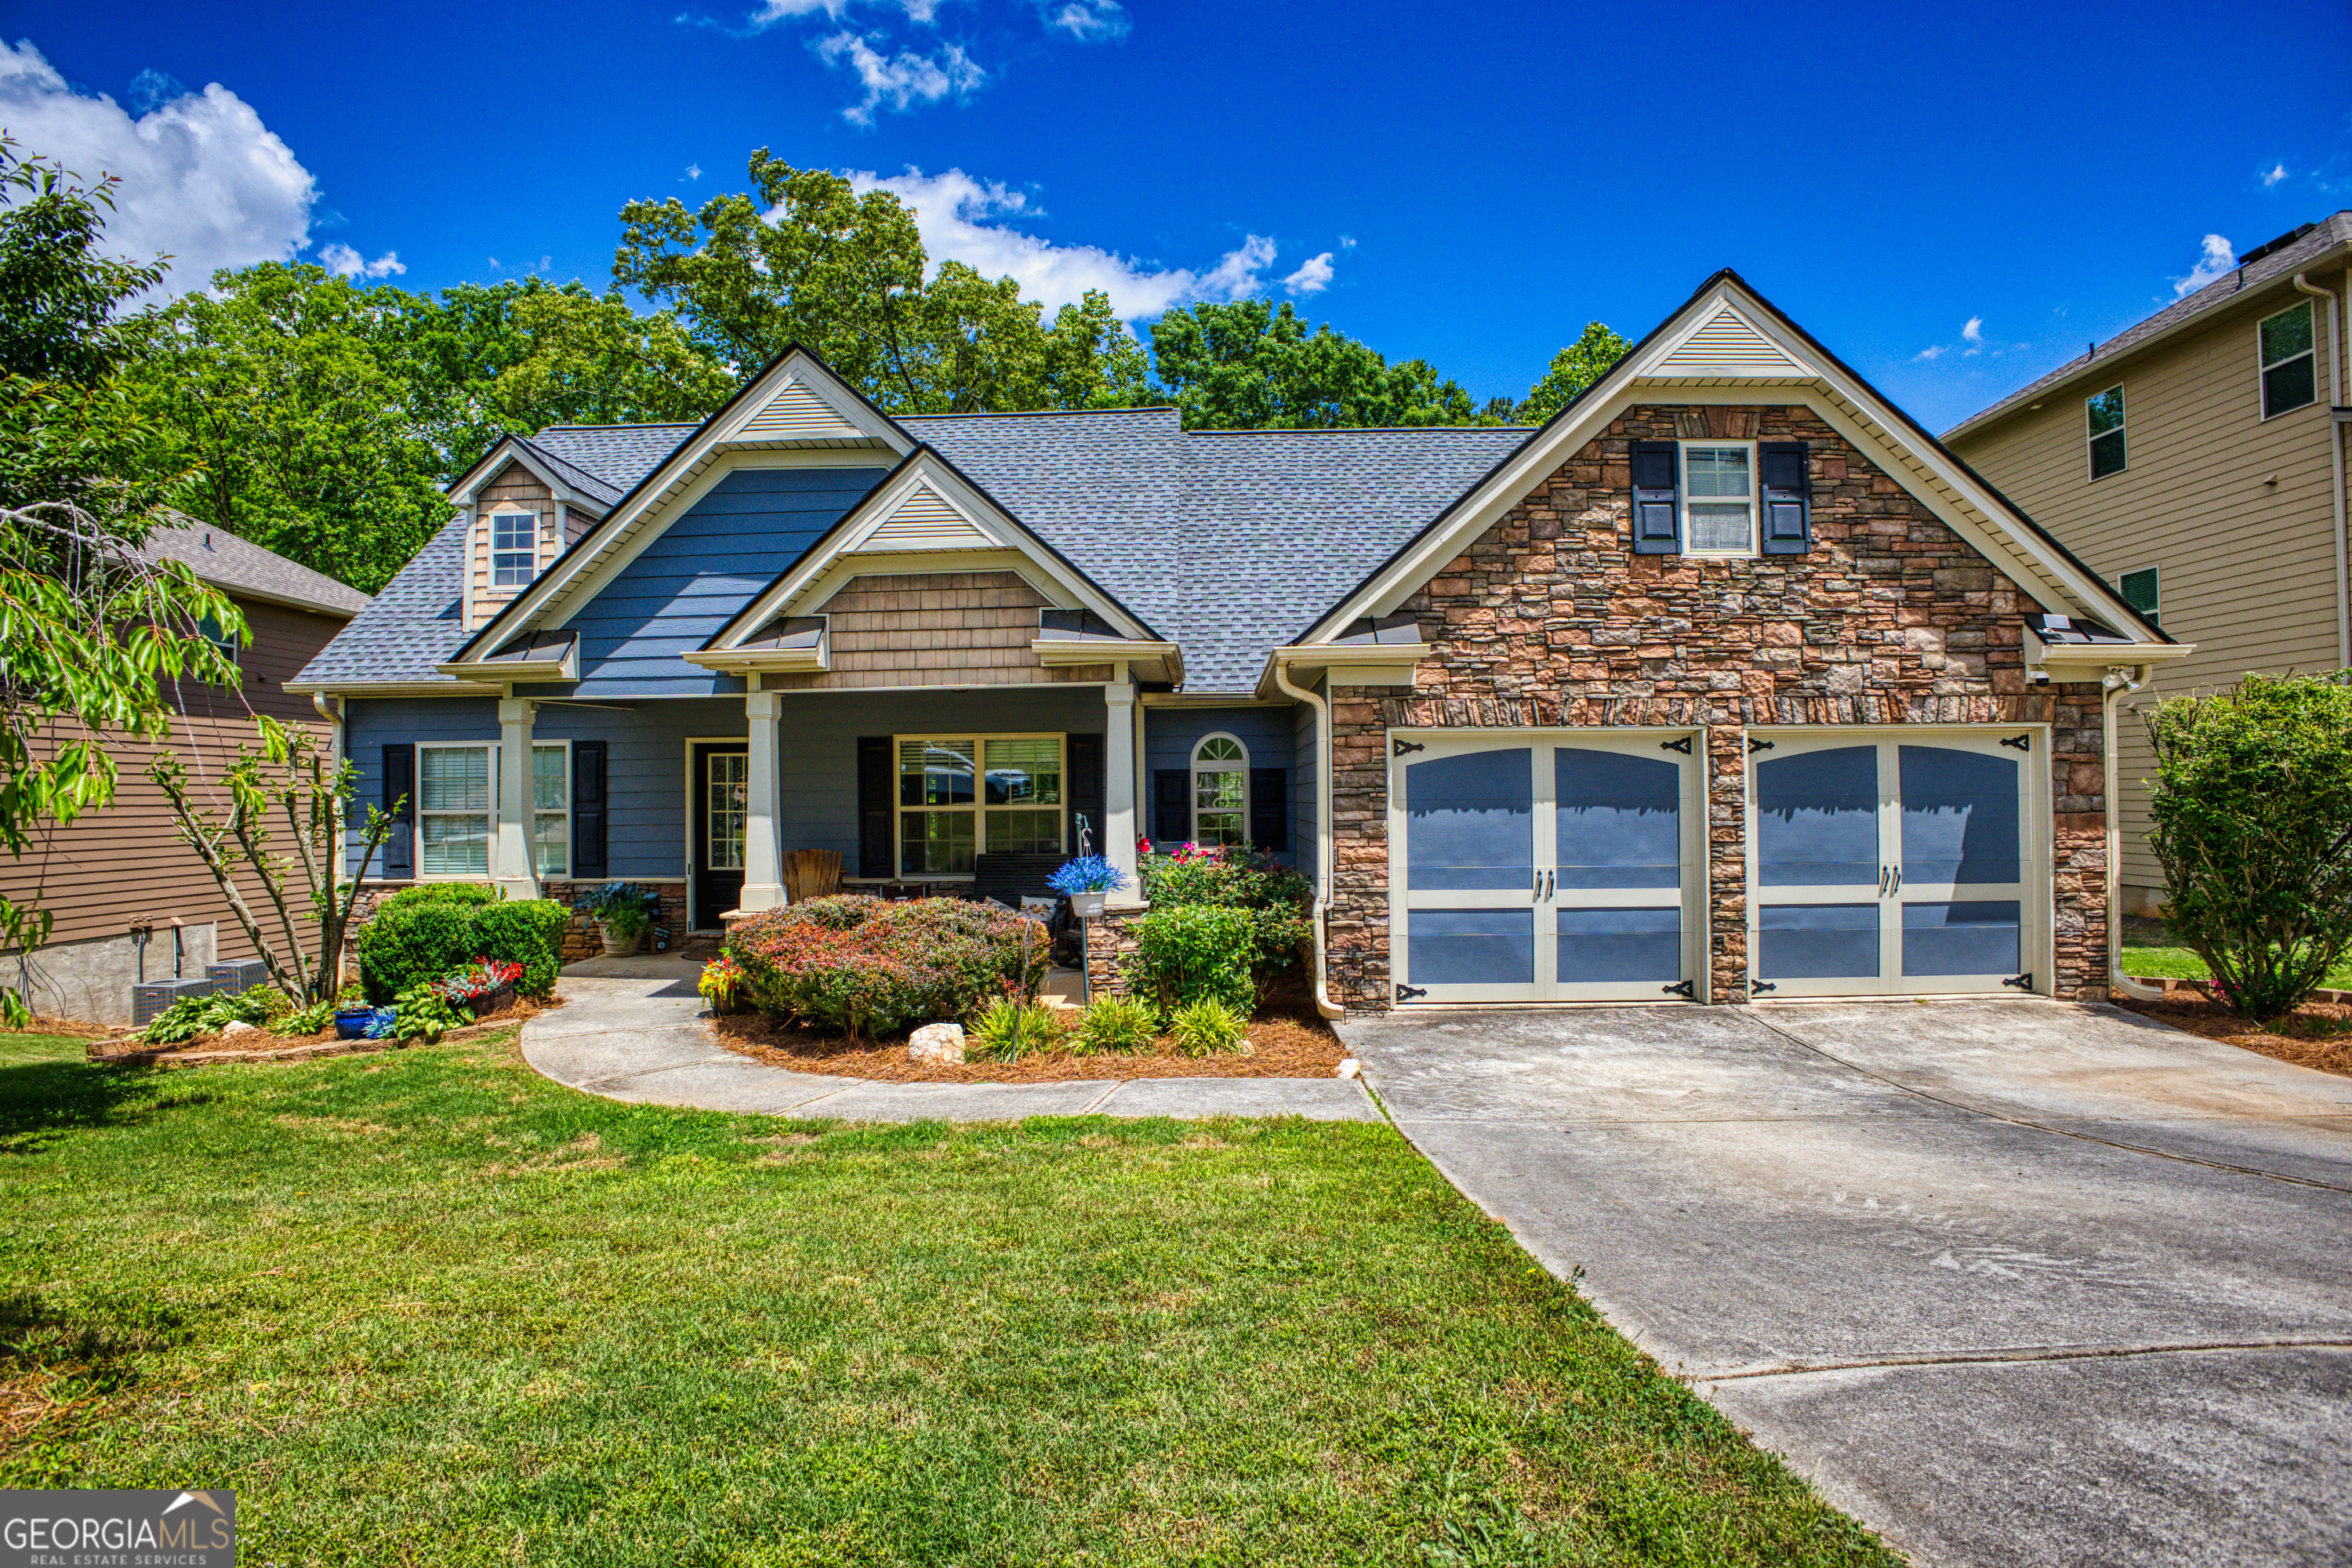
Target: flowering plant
{"points": [[1086, 874], [477, 979], [723, 984]]}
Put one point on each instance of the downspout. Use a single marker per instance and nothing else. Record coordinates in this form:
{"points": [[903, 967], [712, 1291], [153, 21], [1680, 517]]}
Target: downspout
{"points": [[1315, 700], [2336, 455], [2114, 688]]}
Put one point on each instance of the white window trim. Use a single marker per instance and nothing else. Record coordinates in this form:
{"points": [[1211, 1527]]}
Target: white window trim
{"points": [[495, 748], [2090, 466], [531, 556], [979, 806], [490, 815], [564, 874], [1192, 780], [1683, 498], [2262, 370]]}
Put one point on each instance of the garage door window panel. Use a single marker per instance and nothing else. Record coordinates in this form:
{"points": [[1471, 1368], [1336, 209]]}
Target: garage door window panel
{"points": [[1817, 819], [1605, 947], [1819, 941], [1970, 937], [1617, 820], [1472, 947], [1472, 822]]}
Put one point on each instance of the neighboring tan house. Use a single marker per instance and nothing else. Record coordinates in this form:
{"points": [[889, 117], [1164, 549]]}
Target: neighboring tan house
{"points": [[129, 899], [1727, 680], [2195, 461]]}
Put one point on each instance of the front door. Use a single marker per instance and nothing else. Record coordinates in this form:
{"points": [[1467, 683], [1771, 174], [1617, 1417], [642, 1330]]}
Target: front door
{"points": [[719, 776], [1544, 868], [1888, 865]]}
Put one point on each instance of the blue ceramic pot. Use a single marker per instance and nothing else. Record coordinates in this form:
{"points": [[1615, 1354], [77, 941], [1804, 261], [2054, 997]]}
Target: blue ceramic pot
{"points": [[352, 1023]]}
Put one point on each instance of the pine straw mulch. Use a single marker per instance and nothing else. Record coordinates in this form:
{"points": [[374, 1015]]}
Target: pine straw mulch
{"points": [[261, 1046], [2315, 1035], [1280, 1045]]}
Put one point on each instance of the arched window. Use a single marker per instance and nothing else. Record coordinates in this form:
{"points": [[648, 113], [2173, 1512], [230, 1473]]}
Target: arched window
{"points": [[1220, 791]]}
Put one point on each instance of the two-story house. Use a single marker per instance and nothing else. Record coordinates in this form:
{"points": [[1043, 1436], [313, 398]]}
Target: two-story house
{"points": [[129, 900], [2196, 462]]}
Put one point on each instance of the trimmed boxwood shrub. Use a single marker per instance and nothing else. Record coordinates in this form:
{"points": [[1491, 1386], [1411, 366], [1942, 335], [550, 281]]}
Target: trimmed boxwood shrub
{"points": [[869, 968], [1189, 951], [421, 933]]}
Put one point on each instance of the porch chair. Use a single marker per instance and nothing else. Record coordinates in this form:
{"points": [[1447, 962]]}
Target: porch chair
{"points": [[811, 874]]}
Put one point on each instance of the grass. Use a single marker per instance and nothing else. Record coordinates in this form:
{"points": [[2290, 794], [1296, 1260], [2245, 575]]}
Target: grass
{"points": [[424, 1307], [2150, 952]]}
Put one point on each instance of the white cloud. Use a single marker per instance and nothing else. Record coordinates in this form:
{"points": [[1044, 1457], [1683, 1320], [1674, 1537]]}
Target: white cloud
{"points": [[1971, 343], [203, 178], [2276, 172], [344, 262], [694, 171], [1973, 332], [771, 12], [951, 210], [1931, 352], [1089, 21], [1312, 277], [2217, 262], [901, 82]]}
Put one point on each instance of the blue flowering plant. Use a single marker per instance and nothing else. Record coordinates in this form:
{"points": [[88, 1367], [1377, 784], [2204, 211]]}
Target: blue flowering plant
{"points": [[1088, 874]]}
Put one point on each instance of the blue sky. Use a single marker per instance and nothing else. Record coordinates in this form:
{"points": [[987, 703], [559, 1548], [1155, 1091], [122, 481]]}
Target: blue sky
{"points": [[1477, 182]]}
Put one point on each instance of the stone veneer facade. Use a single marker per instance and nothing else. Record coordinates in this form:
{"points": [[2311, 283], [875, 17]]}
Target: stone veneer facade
{"points": [[1549, 620]]}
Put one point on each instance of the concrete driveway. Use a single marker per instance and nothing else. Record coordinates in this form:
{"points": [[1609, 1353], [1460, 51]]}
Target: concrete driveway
{"points": [[2015, 1282]]}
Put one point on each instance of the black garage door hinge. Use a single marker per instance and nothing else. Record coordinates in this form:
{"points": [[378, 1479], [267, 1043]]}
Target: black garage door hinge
{"points": [[1406, 993], [2022, 742], [1681, 988], [1755, 745], [2023, 981], [1404, 746], [1755, 985], [1681, 745]]}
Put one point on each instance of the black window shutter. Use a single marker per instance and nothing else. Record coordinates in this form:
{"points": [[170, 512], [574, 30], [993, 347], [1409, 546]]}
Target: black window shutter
{"points": [[1270, 807], [400, 804], [875, 810], [588, 810], [1171, 790], [1787, 497], [1088, 790], [1657, 514]]}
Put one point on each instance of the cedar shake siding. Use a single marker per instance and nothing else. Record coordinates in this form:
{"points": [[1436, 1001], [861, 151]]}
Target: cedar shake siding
{"points": [[935, 629], [517, 486], [1551, 619]]}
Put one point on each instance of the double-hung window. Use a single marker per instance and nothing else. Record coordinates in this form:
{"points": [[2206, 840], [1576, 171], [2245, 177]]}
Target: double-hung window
{"points": [[2139, 590], [962, 796], [1220, 791], [1718, 497], [2103, 428], [457, 809], [456, 792], [2290, 364], [514, 548]]}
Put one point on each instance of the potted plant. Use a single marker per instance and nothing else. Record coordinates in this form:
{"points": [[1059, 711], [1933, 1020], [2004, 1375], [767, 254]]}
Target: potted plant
{"points": [[1086, 881], [482, 988], [621, 912]]}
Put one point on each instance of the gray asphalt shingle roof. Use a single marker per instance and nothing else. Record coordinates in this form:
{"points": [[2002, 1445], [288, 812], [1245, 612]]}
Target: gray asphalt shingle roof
{"points": [[222, 559], [2291, 257], [1228, 542]]}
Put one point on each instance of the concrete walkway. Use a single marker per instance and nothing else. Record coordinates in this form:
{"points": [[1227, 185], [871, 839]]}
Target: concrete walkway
{"points": [[2015, 1282], [630, 1030]]}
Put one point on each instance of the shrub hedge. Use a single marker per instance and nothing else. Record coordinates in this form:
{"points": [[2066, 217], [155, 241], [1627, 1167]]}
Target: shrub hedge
{"points": [[869, 968], [421, 933], [1185, 952], [1275, 897]]}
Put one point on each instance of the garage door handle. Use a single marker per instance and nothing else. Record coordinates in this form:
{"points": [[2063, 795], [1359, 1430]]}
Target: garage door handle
{"points": [[1898, 880], [1881, 882]]}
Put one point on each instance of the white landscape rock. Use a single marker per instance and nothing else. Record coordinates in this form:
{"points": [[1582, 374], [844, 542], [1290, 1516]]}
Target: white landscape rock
{"points": [[936, 1043], [1350, 1068], [238, 1027]]}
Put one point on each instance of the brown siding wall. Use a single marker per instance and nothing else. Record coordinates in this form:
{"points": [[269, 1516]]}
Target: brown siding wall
{"points": [[937, 628], [2236, 512], [126, 864], [1549, 620]]}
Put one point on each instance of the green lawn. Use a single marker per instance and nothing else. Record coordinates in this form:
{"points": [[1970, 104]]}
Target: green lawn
{"points": [[427, 1308], [2152, 951]]}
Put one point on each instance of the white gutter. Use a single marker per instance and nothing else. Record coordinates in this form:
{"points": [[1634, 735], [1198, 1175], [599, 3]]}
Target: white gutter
{"points": [[2116, 687], [1323, 1002], [2336, 455]]}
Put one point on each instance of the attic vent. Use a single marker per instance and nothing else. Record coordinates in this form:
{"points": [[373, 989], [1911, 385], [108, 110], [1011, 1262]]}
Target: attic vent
{"points": [[926, 521], [796, 413], [1727, 339]]}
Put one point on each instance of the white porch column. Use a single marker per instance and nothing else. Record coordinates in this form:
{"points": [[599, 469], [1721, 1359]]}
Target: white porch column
{"points": [[1118, 783], [511, 863], [763, 829]]}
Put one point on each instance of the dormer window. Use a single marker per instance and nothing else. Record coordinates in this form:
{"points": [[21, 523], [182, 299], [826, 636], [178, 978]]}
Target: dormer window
{"points": [[514, 548]]}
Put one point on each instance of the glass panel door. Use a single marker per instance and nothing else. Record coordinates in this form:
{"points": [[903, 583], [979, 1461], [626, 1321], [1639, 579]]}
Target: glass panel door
{"points": [[1614, 907], [1466, 814]]}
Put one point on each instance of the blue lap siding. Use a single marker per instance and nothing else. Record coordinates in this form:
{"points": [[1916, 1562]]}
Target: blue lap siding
{"points": [[1170, 733], [709, 563]]}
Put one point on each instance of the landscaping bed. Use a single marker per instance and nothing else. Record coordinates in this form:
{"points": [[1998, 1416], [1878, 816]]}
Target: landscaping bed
{"points": [[261, 1046], [1279, 1047], [2316, 1035]]}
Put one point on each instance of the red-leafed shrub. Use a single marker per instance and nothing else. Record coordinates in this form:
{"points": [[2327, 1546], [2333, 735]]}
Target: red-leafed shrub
{"points": [[869, 968]]}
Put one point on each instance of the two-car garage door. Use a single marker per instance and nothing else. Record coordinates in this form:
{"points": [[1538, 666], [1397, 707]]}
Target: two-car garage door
{"points": [[1571, 866]]}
